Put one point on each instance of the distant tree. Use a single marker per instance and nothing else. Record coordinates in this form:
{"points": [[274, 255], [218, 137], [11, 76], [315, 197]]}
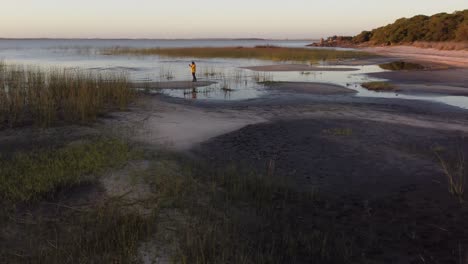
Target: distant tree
{"points": [[364, 36], [439, 27], [462, 32]]}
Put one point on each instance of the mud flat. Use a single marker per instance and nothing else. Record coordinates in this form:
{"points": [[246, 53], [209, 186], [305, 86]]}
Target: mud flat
{"points": [[310, 88], [438, 82]]}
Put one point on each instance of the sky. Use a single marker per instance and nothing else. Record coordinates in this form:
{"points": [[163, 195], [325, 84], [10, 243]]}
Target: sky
{"points": [[292, 19]]}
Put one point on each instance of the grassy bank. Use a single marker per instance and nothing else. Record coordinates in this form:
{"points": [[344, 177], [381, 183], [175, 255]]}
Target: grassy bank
{"points": [[29, 95], [31, 176], [54, 212], [263, 53]]}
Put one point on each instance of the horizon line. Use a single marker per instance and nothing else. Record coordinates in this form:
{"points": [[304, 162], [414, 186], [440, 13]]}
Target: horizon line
{"points": [[96, 38]]}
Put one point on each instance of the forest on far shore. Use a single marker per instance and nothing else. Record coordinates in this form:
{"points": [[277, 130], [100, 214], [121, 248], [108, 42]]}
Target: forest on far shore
{"points": [[437, 28]]}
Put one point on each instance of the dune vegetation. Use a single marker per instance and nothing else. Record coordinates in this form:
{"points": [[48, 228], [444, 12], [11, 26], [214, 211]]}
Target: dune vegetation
{"points": [[260, 52], [440, 27], [30, 95]]}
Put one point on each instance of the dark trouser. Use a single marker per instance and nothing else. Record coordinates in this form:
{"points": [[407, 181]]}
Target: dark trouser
{"points": [[194, 77]]}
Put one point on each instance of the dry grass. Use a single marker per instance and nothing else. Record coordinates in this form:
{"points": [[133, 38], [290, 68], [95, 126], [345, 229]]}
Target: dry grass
{"points": [[263, 53], [101, 233], [42, 97], [456, 173]]}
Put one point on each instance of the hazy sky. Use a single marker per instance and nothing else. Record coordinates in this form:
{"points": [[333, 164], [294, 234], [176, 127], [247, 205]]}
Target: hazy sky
{"points": [[206, 18]]}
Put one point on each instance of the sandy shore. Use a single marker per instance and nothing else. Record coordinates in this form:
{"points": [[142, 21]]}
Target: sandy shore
{"points": [[456, 58], [296, 67]]}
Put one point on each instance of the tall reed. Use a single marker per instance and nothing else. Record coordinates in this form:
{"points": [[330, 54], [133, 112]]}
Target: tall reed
{"points": [[30, 95]]}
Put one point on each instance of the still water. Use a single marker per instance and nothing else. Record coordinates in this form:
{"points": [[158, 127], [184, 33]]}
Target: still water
{"points": [[232, 82]]}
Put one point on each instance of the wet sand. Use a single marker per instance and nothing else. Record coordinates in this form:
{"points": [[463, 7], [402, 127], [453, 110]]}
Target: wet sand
{"points": [[295, 67], [431, 89], [310, 88], [440, 82]]}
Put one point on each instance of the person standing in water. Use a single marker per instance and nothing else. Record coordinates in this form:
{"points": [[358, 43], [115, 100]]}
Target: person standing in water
{"points": [[193, 66]]}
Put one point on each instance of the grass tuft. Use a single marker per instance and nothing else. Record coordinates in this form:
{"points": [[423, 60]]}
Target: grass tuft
{"points": [[379, 86], [456, 173], [401, 66]]}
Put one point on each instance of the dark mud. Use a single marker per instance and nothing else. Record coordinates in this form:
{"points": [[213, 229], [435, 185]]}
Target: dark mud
{"points": [[382, 182]]}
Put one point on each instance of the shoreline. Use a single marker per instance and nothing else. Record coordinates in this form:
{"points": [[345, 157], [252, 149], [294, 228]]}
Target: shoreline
{"points": [[455, 58]]}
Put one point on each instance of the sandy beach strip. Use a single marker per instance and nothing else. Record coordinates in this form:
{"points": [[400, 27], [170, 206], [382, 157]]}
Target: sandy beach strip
{"points": [[456, 58]]}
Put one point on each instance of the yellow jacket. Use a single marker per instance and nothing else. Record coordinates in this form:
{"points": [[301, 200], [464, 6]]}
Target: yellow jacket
{"points": [[194, 68]]}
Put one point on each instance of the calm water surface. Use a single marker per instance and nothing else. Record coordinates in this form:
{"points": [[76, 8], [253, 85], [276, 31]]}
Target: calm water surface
{"points": [[232, 83]]}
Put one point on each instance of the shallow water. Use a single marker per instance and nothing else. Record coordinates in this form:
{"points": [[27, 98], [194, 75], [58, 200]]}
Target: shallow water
{"points": [[232, 83]]}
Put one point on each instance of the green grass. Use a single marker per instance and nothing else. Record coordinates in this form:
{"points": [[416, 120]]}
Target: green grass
{"points": [[379, 86], [401, 66], [263, 53], [30, 95], [29, 176], [41, 225]]}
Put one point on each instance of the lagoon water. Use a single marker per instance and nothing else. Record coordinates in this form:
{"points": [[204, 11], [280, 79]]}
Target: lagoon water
{"points": [[232, 82]]}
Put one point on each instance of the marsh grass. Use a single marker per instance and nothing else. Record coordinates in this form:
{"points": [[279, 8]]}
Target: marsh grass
{"points": [[211, 72], [379, 86], [263, 77], [233, 215], [166, 74], [101, 233], [30, 95], [30, 176], [401, 66], [54, 212], [263, 53]]}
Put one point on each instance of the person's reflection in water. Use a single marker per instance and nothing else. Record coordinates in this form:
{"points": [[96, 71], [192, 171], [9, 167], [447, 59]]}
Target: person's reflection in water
{"points": [[194, 93]]}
